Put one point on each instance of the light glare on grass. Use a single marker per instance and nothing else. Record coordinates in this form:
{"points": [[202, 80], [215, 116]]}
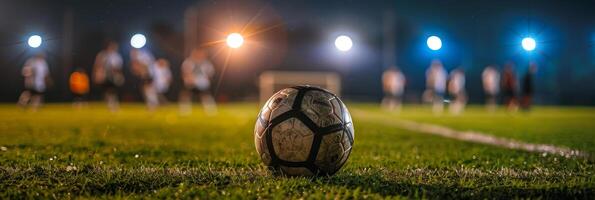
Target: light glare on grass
{"points": [[343, 43], [34, 41], [235, 40], [138, 41], [528, 44], [434, 43]]}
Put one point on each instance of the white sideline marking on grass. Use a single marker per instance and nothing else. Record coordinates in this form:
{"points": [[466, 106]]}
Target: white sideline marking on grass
{"points": [[482, 138]]}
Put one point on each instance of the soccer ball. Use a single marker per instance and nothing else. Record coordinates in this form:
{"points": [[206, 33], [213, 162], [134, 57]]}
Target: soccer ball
{"points": [[304, 131]]}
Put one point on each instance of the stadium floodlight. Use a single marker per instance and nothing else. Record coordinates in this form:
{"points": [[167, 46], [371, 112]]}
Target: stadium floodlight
{"points": [[434, 43], [528, 44], [235, 40], [34, 41], [138, 41], [343, 43]]}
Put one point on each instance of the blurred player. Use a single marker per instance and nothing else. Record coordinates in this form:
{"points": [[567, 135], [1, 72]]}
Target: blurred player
{"points": [[162, 78], [393, 84], [456, 89], [79, 86], [37, 77], [197, 72], [107, 72], [528, 86], [435, 86], [142, 67], [509, 87], [491, 86]]}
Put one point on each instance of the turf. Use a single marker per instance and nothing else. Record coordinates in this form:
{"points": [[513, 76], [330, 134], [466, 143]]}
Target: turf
{"points": [[565, 126], [60, 152]]}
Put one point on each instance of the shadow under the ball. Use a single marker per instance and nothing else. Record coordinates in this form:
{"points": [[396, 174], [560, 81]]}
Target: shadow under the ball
{"points": [[376, 183]]}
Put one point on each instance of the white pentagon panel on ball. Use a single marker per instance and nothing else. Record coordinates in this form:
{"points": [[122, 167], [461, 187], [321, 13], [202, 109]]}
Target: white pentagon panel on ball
{"points": [[265, 112], [262, 150], [260, 143], [348, 121], [259, 128], [281, 102], [318, 107], [347, 144], [292, 140], [272, 103], [331, 152], [337, 108]]}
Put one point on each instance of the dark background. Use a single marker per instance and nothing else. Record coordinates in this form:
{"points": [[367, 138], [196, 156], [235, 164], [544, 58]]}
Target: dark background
{"points": [[299, 35]]}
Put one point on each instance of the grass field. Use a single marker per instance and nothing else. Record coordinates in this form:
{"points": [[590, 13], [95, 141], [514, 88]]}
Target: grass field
{"points": [[60, 152]]}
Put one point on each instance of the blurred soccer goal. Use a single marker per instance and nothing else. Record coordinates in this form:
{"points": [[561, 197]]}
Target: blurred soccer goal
{"points": [[273, 81]]}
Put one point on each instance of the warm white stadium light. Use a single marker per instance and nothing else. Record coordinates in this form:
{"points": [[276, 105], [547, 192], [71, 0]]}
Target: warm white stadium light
{"points": [[235, 40], [138, 41], [343, 43], [34, 41], [434, 43], [528, 44]]}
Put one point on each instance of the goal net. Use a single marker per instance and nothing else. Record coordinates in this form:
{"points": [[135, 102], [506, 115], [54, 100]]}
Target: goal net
{"points": [[273, 81]]}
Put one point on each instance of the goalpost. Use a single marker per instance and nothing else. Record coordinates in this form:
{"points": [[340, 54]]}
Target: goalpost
{"points": [[273, 81]]}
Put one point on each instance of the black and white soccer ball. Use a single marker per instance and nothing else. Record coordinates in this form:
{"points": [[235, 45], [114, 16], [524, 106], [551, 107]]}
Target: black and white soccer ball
{"points": [[304, 131]]}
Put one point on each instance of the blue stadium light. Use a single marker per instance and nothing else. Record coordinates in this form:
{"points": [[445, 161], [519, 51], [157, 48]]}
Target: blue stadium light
{"points": [[528, 44], [434, 43], [138, 41], [34, 41]]}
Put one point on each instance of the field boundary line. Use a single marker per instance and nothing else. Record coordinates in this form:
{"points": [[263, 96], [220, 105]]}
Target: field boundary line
{"points": [[477, 137]]}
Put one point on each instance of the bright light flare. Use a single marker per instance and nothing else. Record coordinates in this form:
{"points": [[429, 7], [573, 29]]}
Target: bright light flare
{"points": [[138, 41], [343, 43], [34, 41], [434, 43], [528, 44], [235, 40]]}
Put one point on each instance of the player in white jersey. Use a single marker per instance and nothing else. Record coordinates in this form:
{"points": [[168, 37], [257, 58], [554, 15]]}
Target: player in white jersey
{"points": [[107, 72], [456, 89], [435, 86], [162, 78], [197, 72], [142, 67], [490, 78], [393, 84], [37, 76]]}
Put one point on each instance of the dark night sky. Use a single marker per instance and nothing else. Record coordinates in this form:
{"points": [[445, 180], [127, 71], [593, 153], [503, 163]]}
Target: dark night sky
{"points": [[475, 33]]}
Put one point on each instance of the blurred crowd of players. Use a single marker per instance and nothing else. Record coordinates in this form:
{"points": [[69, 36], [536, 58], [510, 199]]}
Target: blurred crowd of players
{"points": [[154, 75], [440, 84], [197, 72]]}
